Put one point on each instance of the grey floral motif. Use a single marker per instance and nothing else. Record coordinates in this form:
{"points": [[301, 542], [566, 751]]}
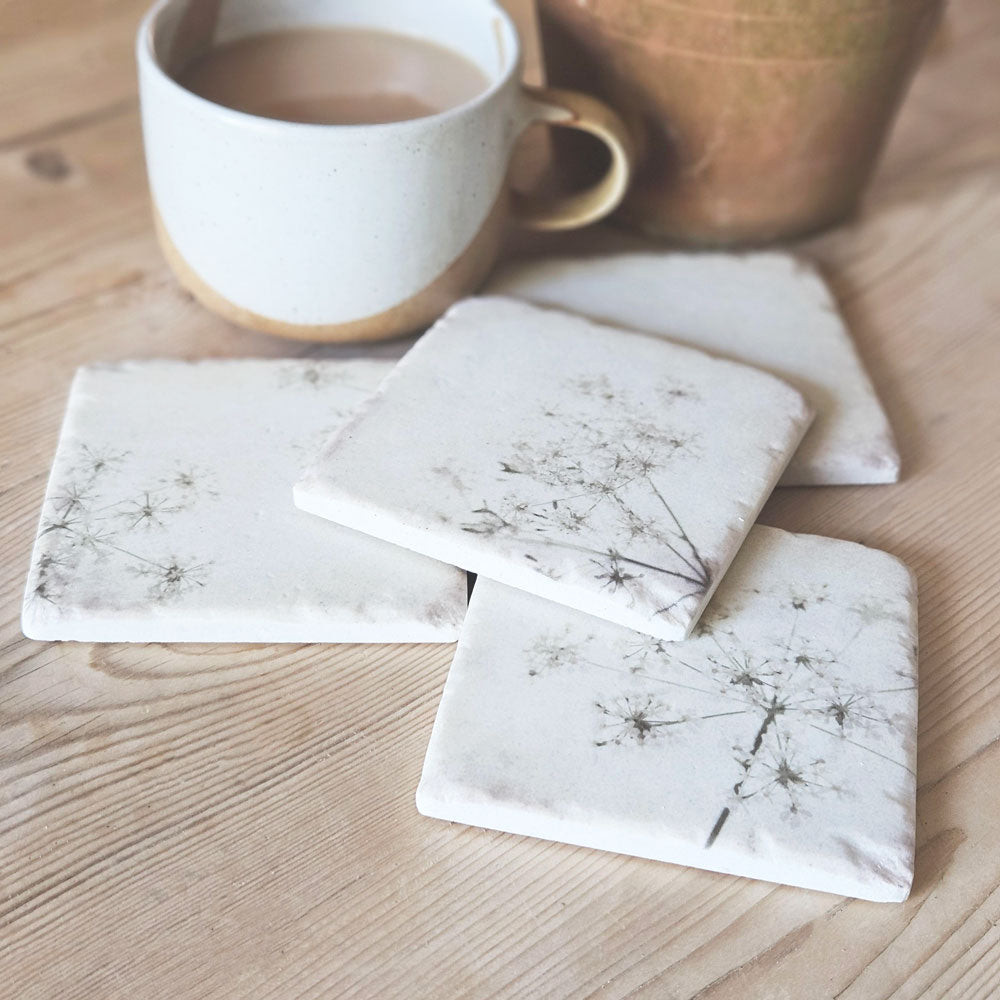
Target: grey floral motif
{"points": [[793, 690], [589, 486], [93, 463], [88, 525], [317, 376], [172, 576], [636, 719], [148, 510], [553, 651], [671, 392], [190, 482], [781, 772], [74, 497]]}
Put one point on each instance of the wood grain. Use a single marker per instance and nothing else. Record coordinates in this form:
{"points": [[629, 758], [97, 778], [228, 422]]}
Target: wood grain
{"points": [[238, 822]]}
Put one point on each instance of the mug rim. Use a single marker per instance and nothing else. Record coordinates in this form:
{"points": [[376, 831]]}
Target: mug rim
{"points": [[146, 56]]}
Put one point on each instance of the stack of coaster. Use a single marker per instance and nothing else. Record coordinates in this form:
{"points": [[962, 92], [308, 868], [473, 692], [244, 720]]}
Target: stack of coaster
{"points": [[601, 482], [641, 669]]}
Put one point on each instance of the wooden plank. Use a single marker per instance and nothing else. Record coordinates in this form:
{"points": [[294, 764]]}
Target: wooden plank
{"points": [[238, 821], [69, 221], [64, 63]]}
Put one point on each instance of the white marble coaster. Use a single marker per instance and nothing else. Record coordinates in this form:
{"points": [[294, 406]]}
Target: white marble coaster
{"points": [[607, 470], [779, 744], [767, 309], [169, 515]]}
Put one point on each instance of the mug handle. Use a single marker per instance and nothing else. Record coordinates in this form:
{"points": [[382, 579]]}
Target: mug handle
{"points": [[571, 109]]}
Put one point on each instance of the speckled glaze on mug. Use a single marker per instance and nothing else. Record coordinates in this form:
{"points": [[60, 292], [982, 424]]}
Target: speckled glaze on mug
{"points": [[348, 232]]}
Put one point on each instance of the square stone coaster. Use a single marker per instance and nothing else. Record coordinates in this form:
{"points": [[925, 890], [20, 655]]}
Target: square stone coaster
{"points": [[169, 515], [766, 309], [778, 744], [607, 470]]}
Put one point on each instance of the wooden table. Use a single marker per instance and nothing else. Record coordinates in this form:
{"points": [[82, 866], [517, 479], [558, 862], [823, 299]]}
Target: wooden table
{"points": [[238, 821]]}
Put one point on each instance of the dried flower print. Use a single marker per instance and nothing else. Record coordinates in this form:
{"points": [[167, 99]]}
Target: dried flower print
{"points": [[87, 524], [790, 690], [588, 487]]}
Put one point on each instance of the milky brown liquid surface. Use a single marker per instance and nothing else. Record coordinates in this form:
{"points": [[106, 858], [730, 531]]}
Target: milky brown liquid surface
{"points": [[334, 76]]}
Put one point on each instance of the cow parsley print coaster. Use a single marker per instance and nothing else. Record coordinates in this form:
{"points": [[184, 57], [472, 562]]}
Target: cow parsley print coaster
{"points": [[169, 516], [779, 743], [765, 309], [606, 470]]}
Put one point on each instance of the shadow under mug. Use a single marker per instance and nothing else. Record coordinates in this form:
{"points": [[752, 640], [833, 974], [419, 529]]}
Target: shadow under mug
{"points": [[349, 232]]}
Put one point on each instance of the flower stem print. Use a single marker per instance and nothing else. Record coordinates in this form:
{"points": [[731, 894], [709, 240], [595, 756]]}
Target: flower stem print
{"points": [[597, 487], [789, 688], [774, 709]]}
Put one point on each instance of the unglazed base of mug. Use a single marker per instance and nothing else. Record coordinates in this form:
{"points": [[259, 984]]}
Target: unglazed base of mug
{"points": [[462, 277]]}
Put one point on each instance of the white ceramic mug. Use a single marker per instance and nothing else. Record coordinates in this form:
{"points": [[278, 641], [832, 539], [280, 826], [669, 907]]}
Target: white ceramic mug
{"points": [[348, 232]]}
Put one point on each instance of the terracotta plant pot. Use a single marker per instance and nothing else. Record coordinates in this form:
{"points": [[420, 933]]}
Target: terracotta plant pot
{"points": [[757, 119]]}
